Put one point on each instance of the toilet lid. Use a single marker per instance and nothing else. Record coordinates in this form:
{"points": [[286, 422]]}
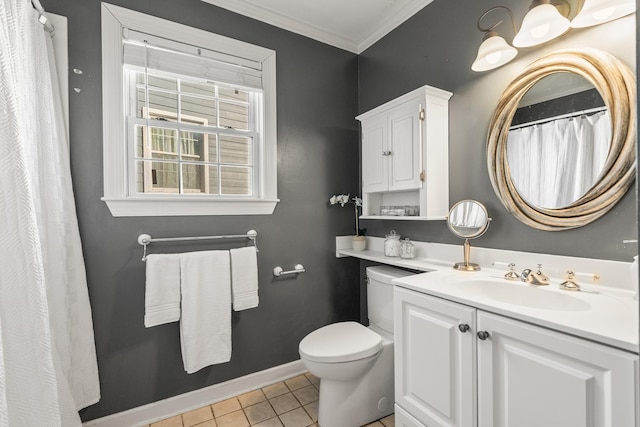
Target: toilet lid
{"points": [[340, 342]]}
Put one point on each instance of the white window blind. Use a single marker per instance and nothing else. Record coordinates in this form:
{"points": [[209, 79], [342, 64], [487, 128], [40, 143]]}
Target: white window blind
{"points": [[156, 53]]}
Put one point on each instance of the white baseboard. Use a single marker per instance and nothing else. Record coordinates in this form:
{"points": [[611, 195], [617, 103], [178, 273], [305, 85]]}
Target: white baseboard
{"points": [[156, 411]]}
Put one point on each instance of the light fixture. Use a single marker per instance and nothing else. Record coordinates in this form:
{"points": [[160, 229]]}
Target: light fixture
{"points": [[596, 12], [546, 20], [542, 23], [494, 50]]}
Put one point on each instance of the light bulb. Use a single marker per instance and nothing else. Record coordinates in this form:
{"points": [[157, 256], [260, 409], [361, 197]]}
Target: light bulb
{"points": [[596, 12]]}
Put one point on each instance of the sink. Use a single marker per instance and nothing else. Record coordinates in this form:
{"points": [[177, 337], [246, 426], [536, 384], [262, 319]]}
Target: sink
{"points": [[524, 295]]}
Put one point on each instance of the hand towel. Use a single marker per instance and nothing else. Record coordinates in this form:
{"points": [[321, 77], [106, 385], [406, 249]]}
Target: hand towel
{"points": [[244, 278], [162, 289], [205, 325]]}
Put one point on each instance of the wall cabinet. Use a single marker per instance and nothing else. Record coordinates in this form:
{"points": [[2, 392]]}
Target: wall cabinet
{"points": [[405, 155], [464, 367]]}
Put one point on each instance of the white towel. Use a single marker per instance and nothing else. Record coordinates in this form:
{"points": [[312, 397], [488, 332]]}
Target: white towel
{"points": [[162, 289], [205, 325], [244, 278]]}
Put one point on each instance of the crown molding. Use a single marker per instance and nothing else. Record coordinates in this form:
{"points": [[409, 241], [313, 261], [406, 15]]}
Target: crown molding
{"points": [[380, 29], [391, 22]]}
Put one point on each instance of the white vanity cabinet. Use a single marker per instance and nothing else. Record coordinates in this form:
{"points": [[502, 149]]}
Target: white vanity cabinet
{"points": [[434, 360], [502, 372], [530, 376], [405, 154]]}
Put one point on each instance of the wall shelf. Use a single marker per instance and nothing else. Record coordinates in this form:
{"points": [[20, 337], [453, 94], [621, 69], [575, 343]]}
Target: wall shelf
{"points": [[442, 256], [400, 217]]}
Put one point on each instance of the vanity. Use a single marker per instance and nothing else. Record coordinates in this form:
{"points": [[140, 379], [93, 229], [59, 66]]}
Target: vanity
{"points": [[473, 349]]}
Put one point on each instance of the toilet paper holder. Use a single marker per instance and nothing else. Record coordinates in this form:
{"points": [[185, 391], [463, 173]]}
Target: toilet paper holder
{"points": [[297, 269]]}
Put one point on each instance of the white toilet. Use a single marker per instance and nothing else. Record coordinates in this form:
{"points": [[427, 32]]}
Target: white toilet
{"points": [[355, 363]]}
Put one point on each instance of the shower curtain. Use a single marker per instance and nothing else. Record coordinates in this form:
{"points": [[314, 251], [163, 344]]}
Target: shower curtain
{"points": [[48, 368], [555, 163]]}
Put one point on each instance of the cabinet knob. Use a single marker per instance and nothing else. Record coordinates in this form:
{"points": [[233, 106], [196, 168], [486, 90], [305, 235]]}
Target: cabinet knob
{"points": [[483, 335], [463, 327], [386, 153]]}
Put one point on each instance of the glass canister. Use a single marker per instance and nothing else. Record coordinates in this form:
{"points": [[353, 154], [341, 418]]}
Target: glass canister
{"points": [[392, 244], [407, 249]]}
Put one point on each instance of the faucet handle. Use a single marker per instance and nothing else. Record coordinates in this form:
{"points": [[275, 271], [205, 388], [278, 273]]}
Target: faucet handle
{"points": [[512, 275], [570, 284], [542, 278], [539, 272]]}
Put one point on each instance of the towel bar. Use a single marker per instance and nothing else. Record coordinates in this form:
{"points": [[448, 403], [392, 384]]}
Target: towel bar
{"points": [[297, 269], [145, 239]]}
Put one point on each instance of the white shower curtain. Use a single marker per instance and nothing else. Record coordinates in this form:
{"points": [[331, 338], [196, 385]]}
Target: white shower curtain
{"points": [[48, 368], [555, 163]]}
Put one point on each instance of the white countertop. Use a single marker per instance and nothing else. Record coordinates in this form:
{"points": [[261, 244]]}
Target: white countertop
{"points": [[609, 316]]}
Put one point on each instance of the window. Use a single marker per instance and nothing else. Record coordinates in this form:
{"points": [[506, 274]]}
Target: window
{"points": [[191, 137], [192, 129]]}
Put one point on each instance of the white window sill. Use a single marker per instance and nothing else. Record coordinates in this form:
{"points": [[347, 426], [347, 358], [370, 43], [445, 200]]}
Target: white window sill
{"points": [[180, 207]]}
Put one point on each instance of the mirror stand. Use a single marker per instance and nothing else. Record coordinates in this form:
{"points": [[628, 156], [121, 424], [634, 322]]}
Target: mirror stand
{"points": [[466, 265], [468, 219]]}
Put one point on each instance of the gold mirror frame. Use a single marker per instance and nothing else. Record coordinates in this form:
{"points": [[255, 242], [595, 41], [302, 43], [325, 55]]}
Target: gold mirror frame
{"points": [[617, 86]]}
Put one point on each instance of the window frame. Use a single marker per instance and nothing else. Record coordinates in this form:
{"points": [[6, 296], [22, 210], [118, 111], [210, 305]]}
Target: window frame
{"points": [[117, 196]]}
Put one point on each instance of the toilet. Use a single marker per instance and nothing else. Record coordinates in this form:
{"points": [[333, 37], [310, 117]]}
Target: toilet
{"points": [[354, 362]]}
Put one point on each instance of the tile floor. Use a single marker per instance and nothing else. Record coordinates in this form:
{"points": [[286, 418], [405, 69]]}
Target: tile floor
{"points": [[291, 403]]}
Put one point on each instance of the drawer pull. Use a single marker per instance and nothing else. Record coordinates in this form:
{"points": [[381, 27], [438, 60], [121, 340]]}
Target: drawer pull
{"points": [[463, 327]]}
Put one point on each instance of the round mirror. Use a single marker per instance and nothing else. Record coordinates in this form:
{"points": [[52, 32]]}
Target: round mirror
{"points": [[468, 219], [578, 157]]}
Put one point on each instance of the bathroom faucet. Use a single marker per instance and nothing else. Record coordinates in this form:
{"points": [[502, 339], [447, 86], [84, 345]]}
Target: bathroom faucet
{"points": [[534, 278]]}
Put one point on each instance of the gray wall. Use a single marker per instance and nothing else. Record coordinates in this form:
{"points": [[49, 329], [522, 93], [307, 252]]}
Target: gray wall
{"points": [[436, 47], [317, 156]]}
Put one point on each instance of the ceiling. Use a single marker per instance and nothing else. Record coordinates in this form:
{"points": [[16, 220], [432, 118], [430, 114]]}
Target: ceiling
{"points": [[352, 25]]}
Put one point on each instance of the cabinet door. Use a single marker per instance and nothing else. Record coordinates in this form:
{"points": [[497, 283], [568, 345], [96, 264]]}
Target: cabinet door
{"points": [[375, 157], [434, 360], [530, 377], [405, 138], [403, 419]]}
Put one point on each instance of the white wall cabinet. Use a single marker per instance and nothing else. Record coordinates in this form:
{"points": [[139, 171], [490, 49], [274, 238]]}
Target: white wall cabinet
{"points": [[527, 376], [405, 155]]}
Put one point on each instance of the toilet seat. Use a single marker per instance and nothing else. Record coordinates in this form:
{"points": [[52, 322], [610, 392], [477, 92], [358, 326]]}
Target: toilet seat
{"points": [[340, 342]]}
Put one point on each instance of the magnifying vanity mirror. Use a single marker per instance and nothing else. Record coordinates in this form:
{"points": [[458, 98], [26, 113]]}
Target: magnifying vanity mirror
{"points": [[468, 219], [561, 145]]}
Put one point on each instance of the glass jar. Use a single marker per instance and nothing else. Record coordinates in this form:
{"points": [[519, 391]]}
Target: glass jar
{"points": [[407, 249], [392, 244]]}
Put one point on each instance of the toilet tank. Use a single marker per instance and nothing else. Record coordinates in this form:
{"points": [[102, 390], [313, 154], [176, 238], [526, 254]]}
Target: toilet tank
{"points": [[380, 295]]}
